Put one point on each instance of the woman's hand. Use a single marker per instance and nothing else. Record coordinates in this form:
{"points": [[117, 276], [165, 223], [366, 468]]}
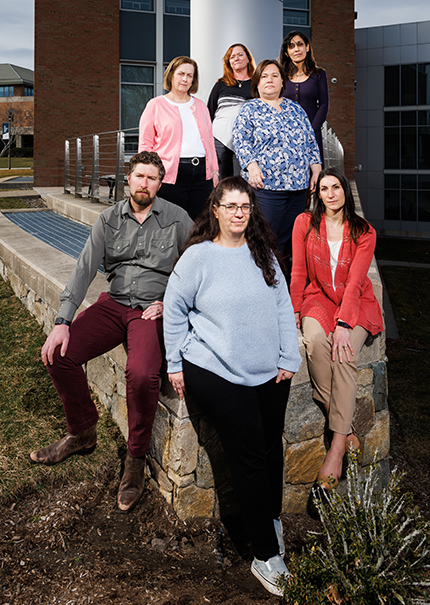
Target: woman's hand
{"points": [[341, 343], [256, 177], [154, 311], [315, 170], [177, 382], [283, 375], [215, 179], [298, 322]]}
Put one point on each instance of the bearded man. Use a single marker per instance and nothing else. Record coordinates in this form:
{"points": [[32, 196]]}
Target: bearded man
{"points": [[138, 240]]}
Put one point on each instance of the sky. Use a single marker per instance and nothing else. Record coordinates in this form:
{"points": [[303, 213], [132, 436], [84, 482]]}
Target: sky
{"points": [[17, 23]]}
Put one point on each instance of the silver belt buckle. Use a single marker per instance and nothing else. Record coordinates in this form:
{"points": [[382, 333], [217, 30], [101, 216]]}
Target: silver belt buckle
{"points": [[195, 161]]}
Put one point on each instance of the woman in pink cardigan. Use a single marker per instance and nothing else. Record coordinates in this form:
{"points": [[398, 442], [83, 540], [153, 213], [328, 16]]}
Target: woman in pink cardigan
{"points": [[334, 305], [178, 127]]}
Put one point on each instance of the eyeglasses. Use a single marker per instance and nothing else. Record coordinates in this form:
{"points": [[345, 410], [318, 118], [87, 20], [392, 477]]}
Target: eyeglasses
{"points": [[233, 208]]}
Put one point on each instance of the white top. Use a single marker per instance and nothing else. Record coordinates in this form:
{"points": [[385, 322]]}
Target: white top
{"points": [[334, 255], [192, 146]]}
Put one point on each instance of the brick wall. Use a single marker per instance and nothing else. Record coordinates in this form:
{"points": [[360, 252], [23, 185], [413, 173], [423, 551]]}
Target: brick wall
{"points": [[76, 77], [333, 44]]}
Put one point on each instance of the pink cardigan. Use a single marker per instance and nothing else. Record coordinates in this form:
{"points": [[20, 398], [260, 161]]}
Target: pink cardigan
{"points": [[160, 130], [312, 292]]}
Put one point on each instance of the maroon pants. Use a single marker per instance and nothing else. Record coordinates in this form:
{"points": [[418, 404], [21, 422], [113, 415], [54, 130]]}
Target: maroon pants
{"points": [[98, 329]]}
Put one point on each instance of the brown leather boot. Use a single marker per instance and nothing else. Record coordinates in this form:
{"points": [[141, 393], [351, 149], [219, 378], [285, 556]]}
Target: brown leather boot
{"points": [[132, 483], [71, 445]]}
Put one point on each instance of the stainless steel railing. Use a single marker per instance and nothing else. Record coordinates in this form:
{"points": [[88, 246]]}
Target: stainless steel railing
{"points": [[94, 165]]}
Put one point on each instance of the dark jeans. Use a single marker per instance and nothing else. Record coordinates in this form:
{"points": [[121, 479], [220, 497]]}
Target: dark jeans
{"points": [[250, 423], [281, 208], [191, 189], [98, 329], [227, 161]]}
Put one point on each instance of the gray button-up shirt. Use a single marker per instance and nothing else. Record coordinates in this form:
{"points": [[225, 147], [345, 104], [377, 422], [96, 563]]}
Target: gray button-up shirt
{"points": [[138, 258]]}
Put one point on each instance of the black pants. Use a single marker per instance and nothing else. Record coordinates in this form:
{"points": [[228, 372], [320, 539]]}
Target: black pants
{"points": [[227, 161], [191, 189], [250, 423]]}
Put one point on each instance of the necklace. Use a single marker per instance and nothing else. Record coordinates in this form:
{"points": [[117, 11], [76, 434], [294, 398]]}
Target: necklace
{"points": [[239, 83]]}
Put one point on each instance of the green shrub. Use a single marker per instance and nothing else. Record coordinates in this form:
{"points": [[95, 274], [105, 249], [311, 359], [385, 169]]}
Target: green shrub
{"points": [[372, 548]]}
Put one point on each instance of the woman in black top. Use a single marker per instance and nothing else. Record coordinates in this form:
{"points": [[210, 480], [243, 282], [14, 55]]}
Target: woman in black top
{"points": [[225, 101]]}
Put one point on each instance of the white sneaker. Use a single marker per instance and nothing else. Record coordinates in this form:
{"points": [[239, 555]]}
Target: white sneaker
{"points": [[269, 572], [280, 535]]}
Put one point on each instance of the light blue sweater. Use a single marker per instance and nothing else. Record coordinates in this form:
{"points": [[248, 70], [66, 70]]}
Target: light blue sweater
{"points": [[220, 314]]}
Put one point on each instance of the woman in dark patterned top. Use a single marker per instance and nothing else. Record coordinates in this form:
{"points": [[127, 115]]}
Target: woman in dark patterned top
{"points": [[306, 83], [225, 101]]}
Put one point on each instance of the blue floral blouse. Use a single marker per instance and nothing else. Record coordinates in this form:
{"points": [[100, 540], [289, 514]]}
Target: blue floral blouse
{"points": [[281, 142]]}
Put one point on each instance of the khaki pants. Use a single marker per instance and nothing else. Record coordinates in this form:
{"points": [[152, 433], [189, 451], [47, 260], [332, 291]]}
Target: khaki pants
{"points": [[335, 384]]}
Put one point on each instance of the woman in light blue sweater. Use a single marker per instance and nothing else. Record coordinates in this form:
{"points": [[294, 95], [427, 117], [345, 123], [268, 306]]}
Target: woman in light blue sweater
{"points": [[231, 343]]}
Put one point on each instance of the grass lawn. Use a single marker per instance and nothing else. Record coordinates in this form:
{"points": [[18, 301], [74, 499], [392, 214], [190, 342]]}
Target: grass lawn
{"points": [[12, 203], [16, 163], [31, 413]]}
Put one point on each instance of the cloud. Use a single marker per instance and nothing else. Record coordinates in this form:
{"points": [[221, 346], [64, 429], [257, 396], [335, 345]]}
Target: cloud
{"points": [[389, 12], [17, 32]]}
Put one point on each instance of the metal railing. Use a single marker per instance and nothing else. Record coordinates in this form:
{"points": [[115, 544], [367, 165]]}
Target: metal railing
{"points": [[332, 148], [94, 165]]}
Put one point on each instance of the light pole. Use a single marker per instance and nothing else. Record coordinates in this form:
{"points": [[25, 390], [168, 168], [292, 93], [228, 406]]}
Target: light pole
{"points": [[10, 135]]}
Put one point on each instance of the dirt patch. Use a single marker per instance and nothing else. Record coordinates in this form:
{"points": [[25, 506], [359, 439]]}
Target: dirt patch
{"points": [[71, 546]]}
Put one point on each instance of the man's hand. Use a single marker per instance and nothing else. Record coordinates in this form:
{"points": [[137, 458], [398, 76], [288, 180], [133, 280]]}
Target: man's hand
{"points": [[154, 311], [60, 335]]}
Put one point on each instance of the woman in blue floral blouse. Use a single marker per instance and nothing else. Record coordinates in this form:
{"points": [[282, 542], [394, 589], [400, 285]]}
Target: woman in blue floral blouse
{"points": [[276, 147]]}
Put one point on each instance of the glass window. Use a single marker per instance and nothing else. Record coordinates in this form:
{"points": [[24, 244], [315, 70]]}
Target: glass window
{"points": [[424, 206], [409, 206], [295, 17], [392, 148], [409, 181], [424, 147], [392, 85], [296, 4], [424, 118], [177, 7], [409, 147], [137, 88], [409, 84], [423, 74], [409, 118], [6, 91], [392, 205], [392, 181], [28, 91], [392, 118], [138, 5]]}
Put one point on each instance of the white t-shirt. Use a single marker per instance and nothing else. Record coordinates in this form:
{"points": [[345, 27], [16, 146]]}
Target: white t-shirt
{"points": [[334, 255]]}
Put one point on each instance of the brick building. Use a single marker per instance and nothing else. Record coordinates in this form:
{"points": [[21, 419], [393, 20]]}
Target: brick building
{"points": [[96, 74], [16, 95]]}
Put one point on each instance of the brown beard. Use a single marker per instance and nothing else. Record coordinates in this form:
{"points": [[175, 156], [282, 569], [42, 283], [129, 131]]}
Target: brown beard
{"points": [[142, 202]]}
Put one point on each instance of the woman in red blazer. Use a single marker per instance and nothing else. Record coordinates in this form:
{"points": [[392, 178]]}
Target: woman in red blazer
{"points": [[334, 305]]}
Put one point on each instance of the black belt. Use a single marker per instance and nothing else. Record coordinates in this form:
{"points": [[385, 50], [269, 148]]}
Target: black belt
{"points": [[193, 161]]}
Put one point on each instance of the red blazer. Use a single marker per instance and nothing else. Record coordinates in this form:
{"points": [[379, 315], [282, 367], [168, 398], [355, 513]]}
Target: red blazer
{"points": [[312, 292]]}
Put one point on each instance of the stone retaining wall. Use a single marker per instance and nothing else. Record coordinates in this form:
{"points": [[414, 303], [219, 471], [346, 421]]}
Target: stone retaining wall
{"points": [[186, 462]]}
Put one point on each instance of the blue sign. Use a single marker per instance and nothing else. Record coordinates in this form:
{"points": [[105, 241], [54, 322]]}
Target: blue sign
{"points": [[5, 132]]}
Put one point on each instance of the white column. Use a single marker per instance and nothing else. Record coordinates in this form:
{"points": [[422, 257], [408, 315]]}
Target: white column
{"points": [[217, 24], [159, 68]]}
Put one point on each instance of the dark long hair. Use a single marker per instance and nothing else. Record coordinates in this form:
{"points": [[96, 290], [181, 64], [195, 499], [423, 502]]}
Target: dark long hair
{"points": [[357, 225], [309, 65], [259, 236]]}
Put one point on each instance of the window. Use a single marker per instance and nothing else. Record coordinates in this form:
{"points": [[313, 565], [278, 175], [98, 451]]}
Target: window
{"points": [[138, 5], [28, 91], [177, 7], [296, 12], [6, 91], [137, 88]]}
